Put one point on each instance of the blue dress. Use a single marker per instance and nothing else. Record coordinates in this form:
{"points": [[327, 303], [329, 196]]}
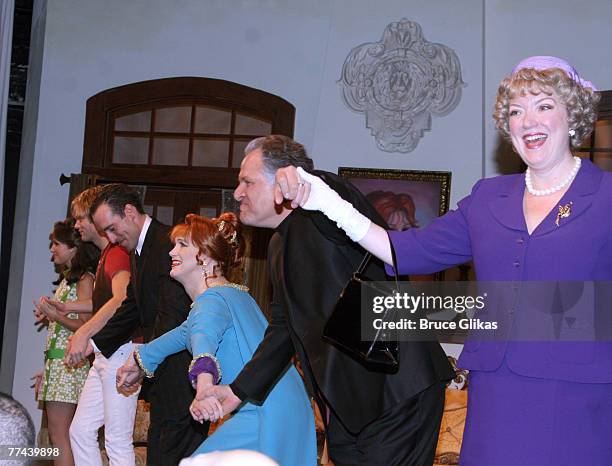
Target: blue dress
{"points": [[226, 321]]}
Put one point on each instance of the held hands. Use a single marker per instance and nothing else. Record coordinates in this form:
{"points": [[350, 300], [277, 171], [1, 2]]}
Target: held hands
{"points": [[212, 402], [39, 313], [206, 409], [303, 189], [49, 310], [312, 193], [79, 347], [225, 395], [129, 376], [57, 306], [289, 185]]}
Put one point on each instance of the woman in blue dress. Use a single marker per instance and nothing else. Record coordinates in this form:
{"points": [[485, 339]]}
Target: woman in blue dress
{"points": [[222, 331]]}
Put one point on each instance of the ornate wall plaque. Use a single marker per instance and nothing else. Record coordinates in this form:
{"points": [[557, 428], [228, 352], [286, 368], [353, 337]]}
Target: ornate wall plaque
{"points": [[399, 83]]}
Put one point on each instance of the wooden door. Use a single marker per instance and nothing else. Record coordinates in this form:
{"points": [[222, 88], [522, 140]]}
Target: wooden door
{"points": [[180, 141]]}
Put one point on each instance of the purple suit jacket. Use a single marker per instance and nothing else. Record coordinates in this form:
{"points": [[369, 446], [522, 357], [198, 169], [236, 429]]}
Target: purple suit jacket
{"points": [[488, 227]]}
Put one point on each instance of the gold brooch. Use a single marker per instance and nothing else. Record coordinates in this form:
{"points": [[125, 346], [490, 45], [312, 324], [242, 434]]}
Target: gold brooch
{"points": [[564, 212]]}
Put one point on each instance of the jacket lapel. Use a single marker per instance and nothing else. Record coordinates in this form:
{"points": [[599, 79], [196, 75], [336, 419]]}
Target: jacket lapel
{"points": [[507, 207], [134, 280], [141, 262], [574, 202]]}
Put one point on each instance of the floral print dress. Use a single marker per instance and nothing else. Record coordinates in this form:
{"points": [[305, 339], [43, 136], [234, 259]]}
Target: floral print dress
{"points": [[59, 382]]}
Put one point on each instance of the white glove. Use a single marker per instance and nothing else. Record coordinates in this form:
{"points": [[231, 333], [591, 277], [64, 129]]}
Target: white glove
{"points": [[329, 202]]}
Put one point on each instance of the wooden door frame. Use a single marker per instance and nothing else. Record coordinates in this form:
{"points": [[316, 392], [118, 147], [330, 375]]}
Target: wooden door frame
{"points": [[102, 107]]}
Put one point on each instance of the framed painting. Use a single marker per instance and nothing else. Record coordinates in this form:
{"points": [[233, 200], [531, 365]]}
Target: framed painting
{"points": [[404, 198], [409, 199]]}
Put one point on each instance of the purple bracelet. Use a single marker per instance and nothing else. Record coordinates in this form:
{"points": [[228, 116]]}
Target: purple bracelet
{"points": [[204, 363]]}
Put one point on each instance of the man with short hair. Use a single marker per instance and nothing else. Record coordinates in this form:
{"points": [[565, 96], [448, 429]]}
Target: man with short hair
{"points": [[79, 209], [156, 303], [100, 403], [371, 418]]}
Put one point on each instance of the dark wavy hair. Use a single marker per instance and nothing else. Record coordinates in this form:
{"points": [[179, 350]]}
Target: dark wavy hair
{"points": [[86, 256], [116, 196]]}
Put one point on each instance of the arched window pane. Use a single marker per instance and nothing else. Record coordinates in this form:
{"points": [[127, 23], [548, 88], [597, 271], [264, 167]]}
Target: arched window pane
{"points": [[134, 122], [246, 124], [603, 134], [603, 140], [238, 153], [209, 212], [165, 214], [210, 153], [170, 151], [148, 209], [131, 150], [213, 120], [173, 119], [228, 202]]}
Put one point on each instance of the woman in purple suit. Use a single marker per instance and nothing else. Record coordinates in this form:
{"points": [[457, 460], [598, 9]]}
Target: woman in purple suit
{"points": [[532, 400]]}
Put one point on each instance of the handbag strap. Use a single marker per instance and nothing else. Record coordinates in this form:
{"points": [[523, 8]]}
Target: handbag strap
{"points": [[364, 263], [366, 260]]}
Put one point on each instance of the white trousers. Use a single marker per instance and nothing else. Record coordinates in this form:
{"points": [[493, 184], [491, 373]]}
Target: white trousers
{"points": [[101, 404]]}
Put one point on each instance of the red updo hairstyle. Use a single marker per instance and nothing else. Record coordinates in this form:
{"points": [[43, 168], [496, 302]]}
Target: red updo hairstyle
{"points": [[218, 238]]}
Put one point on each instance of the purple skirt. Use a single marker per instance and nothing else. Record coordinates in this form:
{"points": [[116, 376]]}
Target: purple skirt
{"points": [[516, 420]]}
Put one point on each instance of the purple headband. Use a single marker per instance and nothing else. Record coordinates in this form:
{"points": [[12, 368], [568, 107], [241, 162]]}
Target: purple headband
{"points": [[544, 62]]}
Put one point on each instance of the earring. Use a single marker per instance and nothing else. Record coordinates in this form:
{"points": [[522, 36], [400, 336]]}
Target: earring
{"points": [[204, 270], [572, 133]]}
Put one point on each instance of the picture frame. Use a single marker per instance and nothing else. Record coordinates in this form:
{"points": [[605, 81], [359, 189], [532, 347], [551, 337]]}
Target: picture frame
{"points": [[429, 192], [408, 199]]}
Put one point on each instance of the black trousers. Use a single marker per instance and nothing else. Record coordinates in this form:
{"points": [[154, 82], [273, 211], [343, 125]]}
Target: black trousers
{"points": [[173, 434], [405, 435]]}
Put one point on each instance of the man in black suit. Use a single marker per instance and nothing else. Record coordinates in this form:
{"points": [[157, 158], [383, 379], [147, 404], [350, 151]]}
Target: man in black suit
{"points": [[156, 303], [371, 418]]}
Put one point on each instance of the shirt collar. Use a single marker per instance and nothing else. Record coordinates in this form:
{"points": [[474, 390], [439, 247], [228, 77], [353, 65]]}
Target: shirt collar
{"points": [[143, 233]]}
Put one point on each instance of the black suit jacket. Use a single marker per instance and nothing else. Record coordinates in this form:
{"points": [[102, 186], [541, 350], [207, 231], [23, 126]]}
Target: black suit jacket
{"points": [[310, 261], [157, 303]]}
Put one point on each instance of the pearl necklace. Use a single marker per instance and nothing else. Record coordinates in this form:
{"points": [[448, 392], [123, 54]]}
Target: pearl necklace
{"points": [[554, 189]]}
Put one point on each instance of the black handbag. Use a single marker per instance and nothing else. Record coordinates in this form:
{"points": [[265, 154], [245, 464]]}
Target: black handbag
{"points": [[343, 328]]}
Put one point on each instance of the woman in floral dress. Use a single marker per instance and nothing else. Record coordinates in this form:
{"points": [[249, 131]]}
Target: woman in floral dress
{"points": [[59, 387]]}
